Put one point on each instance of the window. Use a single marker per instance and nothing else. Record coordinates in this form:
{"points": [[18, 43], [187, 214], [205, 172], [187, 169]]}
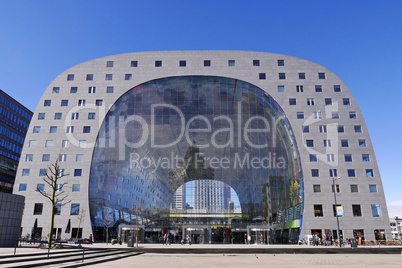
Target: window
{"points": [[281, 62], [79, 158], [231, 63], [56, 90], [362, 143], [333, 173], [77, 172], [32, 143], [318, 211], [262, 76], [321, 75], [83, 144], [74, 116], [292, 101], [59, 187], [38, 209], [299, 88], [357, 211], [91, 90], [62, 158], [73, 90], [337, 88], [358, 129], [318, 88], [36, 129], [315, 173], [207, 63], [348, 158], [47, 103], [313, 158], [53, 129], [49, 143], [57, 209], [365, 157], [376, 210], [300, 115], [256, 62], [354, 188], [76, 187], [57, 116], [69, 129], [70, 77], [327, 143], [42, 172], [373, 188], [75, 209], [351, 173], [330, 157], [182, 63], [369, 173], [81, 102], [64, 103], [323, 129], [282, 76], [158, 63], [90, 77], [310, 101], [109, 63], [302, 75], [310, 143], [352, 115], [316, 188], [26, 171], [23, 187], [328, 101], [109, 77], [317, 115], [109, 89], [29, 158], [134, 63], [344, 143], [41, 116], [306, 129], [91, 116], [99, 102], [341, 129], [65, 143], [346, 101], [128, 77], [86, 129], [338, 189], [281, 88], [45, 157]]}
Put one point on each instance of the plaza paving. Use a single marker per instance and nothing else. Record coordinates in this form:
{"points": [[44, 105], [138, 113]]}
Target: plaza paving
{"points": [[176, 257]]}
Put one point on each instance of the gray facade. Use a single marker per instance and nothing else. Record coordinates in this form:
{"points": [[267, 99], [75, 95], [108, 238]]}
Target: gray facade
{"points": [[11, 210], [331, 137]]}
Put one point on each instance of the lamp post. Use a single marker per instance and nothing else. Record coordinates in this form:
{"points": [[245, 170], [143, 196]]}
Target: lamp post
{"points": [[336, 212]]}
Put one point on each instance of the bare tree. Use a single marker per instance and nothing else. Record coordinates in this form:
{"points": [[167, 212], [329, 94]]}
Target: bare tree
{"points": [[81, 218], [56, 194]]}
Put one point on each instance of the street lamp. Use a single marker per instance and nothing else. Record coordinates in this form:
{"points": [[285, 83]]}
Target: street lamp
{"points": [[337, 217]]}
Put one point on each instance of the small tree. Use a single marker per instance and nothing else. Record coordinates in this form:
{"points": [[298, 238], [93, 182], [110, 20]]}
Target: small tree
{"points": [[55, 194], [81, 218]]}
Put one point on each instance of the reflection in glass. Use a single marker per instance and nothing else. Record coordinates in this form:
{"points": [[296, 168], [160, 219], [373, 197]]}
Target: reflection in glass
{"points": [[205, 151]]}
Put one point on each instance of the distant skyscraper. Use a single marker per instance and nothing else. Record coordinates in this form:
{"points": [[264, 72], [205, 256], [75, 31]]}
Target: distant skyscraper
{"points": [[14, 122]]}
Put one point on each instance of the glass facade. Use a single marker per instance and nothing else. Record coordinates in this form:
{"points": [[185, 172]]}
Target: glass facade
{"points": [[196, 150], [14, 122]]}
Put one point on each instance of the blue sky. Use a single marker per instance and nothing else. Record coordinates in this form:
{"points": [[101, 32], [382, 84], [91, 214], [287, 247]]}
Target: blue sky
{"points": [[358, 40]]}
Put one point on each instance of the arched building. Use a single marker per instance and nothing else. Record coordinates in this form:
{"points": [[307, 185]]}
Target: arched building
{"points": [[215, 145]]}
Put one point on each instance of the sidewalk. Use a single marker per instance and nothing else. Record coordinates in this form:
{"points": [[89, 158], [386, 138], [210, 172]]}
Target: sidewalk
{"points": [[234, 260]]}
